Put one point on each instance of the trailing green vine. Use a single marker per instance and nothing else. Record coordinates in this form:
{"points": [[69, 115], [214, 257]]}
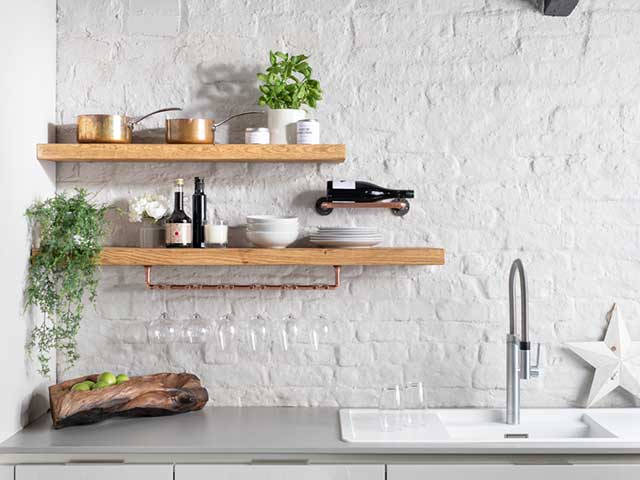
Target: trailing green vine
{"points": [[72, 228]]}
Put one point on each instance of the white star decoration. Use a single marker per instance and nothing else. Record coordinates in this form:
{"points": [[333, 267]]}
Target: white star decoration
{"points": [[611, 359]]}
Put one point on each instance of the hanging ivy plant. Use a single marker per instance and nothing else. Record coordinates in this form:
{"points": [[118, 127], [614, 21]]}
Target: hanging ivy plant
{"points": [[63, 272]]}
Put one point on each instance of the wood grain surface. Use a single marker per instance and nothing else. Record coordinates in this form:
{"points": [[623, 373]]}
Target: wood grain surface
{"points": [[107, 152], [145, 396], [124, 256]]}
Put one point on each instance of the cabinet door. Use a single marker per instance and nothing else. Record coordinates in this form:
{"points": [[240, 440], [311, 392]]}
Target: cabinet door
{"points": [[6, 472], [509, 472], [94, 472], [279, 472]]}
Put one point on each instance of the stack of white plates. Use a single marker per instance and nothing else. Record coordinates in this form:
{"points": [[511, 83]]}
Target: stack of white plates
{"points": [[269, 231], [346, 237]]}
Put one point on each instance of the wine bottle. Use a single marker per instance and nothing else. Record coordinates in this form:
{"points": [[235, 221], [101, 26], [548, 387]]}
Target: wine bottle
{"points": [[178, 228], [199, 212], [350, 191]]}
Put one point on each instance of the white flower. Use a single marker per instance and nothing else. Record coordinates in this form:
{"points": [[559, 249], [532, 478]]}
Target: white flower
{"points": [[148, 206], [157, 208]]}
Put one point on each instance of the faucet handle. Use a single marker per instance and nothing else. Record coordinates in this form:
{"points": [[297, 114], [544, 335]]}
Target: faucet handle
{"points": [[536, 369]]}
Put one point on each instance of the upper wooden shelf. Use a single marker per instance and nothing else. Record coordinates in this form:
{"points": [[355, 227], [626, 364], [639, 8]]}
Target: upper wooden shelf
{"points": [[123, 256], [138, 152]]}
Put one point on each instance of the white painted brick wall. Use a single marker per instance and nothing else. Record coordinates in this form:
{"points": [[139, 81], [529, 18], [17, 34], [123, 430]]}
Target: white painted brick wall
{"points": [[520, 134]]}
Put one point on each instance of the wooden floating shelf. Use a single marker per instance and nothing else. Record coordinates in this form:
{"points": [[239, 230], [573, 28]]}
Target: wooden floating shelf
{"points": [[122, 256], [235, 153]]}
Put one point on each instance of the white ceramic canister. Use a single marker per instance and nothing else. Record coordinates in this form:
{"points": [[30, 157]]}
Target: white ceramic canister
{"points": [[256, 135], [283, 124], [308, 131]]}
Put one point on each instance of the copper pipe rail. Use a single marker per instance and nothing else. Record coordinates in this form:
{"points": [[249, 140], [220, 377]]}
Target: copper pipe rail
{"points": [[230, 286], [396, 205]]}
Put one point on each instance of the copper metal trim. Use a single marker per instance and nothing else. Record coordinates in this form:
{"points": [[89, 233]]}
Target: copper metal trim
{"points": [[257, 286], [397, 205]]}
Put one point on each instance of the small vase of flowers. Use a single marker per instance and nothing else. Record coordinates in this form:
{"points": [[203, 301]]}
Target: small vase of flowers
{"points": [[150, 210]]}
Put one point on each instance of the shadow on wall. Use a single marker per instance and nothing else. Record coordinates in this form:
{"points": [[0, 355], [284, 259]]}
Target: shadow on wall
{"points": [[531, 3], [223, 90], [220, 91]]}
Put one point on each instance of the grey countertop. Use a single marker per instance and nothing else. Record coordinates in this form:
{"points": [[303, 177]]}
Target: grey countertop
{"points": [[257, 432]]}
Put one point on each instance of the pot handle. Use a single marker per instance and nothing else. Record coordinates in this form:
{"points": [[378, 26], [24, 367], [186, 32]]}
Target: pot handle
{"points": [[139, 119], [216, 125]]}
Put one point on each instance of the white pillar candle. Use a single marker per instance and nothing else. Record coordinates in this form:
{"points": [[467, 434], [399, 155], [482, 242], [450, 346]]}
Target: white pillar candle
{"points": [[215, 234]]}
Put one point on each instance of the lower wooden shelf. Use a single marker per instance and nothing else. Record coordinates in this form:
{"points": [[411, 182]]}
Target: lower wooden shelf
{"points": [[332, 257], [124, 256]]}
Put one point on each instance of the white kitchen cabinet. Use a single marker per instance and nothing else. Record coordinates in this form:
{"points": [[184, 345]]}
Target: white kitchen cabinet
{"points": [[510, 472], [279, 472], [6, 472], [94, 472]]}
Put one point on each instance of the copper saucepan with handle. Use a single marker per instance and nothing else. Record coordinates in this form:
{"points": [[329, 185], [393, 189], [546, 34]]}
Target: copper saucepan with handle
{"points": [[110, 128], [196, 130]]}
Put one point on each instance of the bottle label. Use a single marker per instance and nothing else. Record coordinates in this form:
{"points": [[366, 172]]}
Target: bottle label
{"points": [[344, 185], [178, 233]]}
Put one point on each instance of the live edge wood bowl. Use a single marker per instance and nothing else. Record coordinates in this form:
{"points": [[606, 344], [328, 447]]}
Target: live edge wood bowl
{"points": [[145, 396]]}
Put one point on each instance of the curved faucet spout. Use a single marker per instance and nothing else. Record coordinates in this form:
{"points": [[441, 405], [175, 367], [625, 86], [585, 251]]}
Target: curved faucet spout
{"points": [[517, 267], [518, 347]]}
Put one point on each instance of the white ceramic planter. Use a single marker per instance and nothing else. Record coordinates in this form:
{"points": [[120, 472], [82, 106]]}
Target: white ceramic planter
{"points": [[282, 124]]}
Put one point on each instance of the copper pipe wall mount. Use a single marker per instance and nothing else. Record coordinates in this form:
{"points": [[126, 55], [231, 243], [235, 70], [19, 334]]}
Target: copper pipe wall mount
{"points": [[399, 207], [337, 270]]}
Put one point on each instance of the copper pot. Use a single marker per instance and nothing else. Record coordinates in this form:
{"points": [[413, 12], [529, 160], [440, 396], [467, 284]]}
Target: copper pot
{"points": [[110, 128], [195, 130]]}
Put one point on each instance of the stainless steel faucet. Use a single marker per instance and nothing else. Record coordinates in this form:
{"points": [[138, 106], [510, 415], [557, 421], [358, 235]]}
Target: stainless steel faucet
{"points": [[518, 348]]}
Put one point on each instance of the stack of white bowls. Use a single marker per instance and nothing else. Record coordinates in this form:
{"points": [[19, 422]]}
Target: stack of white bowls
{"points": [[269, 231]]}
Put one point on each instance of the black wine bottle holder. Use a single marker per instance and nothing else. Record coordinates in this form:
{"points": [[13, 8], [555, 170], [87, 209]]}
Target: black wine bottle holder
{"points": [[399, 207]]}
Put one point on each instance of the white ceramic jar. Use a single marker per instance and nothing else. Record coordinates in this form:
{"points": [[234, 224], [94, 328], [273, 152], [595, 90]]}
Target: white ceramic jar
{"points": [[256, 136], [308, 131]]}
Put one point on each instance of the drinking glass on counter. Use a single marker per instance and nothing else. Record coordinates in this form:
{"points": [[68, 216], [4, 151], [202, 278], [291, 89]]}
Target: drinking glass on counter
{"points": [[390, 408], [414, 405]]}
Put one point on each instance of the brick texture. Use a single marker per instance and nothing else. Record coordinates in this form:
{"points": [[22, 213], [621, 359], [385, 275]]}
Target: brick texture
{"points": [[520, 134]]}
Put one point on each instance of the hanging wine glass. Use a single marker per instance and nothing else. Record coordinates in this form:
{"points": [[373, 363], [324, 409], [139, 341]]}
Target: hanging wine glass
{"points": [[319, 331], [226, 332], [163, 329], [197, 329], [288, 332], [257, 335]]}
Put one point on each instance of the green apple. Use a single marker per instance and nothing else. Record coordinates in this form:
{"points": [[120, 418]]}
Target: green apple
{"points": [[81, 387], [108, 378], [100, 385], [121, 378], [89, 383]]}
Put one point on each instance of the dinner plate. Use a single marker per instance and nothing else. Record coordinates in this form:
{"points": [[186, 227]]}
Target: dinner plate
{"points": [[347, 243]]}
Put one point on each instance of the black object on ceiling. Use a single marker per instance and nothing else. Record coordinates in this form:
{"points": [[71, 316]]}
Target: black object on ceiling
{"points": [[558, 8]]}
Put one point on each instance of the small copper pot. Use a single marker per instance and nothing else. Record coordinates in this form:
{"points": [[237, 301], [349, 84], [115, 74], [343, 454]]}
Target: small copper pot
{"points": [[110, 128], [195, 130]]}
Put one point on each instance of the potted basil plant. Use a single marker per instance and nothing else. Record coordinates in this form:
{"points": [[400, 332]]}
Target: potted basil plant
{"points": [[286, 86]]}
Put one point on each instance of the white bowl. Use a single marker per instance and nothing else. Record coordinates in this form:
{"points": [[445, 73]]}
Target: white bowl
{"points": [[272, 227], [272, 239], [271, 219]]}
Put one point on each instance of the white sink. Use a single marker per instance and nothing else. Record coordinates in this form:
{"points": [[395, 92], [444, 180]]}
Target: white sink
{"points": [[477, 426], [489, 425]]}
